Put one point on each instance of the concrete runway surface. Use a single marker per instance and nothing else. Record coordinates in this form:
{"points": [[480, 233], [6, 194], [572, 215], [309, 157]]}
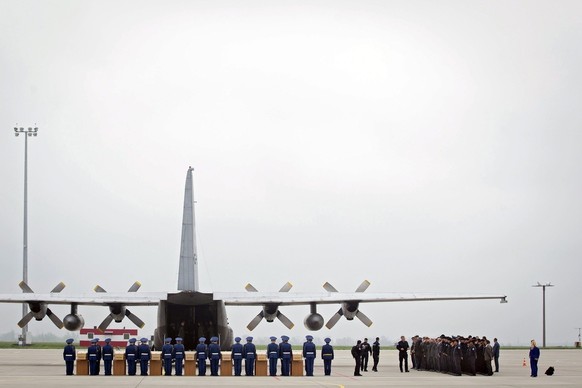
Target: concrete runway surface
{"points": [[45, 368]]}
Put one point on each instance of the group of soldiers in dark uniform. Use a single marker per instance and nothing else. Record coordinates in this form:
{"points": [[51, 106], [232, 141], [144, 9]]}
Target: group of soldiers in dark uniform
{"points": [[361, 352], [454, 355], [282, 351], [174, 354], [96, 353]]}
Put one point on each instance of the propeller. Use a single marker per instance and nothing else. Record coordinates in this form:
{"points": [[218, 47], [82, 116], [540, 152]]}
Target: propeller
{"points": [[38, 310], [118, 311], [349, 309], [270, 311]]}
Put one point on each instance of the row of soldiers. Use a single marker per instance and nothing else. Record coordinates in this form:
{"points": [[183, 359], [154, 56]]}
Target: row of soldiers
{"points": [[453, 355], [174, 354]]}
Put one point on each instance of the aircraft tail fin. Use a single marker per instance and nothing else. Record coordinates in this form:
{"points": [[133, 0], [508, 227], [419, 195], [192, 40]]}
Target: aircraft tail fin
{"points": [[188, 271]]}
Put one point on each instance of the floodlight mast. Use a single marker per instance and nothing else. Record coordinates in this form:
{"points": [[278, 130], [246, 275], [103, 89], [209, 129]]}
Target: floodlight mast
{"points": [[543, 307], [26, 132]]}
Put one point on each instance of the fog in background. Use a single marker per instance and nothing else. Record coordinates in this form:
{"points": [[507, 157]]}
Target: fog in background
{"points": [[427, 146]]}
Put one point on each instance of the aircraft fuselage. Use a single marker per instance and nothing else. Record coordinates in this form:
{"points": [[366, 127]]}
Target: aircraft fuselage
{"points": [[192, 315]]}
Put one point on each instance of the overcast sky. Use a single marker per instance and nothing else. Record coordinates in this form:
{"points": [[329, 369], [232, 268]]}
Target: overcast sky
{"points": [[429, 146]]}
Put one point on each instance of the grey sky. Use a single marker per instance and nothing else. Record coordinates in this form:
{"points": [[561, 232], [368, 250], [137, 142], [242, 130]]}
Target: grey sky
{"points": [[422, 145]]}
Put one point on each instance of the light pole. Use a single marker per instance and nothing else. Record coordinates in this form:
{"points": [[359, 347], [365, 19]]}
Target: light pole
{"points": [[544, 306], [27, 133]]}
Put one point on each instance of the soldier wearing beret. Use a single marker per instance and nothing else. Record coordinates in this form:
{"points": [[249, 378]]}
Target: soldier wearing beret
{"points": [[250, 355], [69, 355], [327, 356], [309, 353], [237, 356], [273, 356]]}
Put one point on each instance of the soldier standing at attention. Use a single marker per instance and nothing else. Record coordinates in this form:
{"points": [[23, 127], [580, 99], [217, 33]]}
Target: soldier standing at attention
{"points": [[201, 354], [107, 357], [214, 355], [376, 353], [131, 356], [144, 354], [69, 355], [167, 354], [178, 356], [250, 354], [327, 356], [309, 353], [402, 347], [237, 350], [98, 356], [357, 355], [285, 354], [273, 356], [366, 350], [496, 354], [92, 354]]}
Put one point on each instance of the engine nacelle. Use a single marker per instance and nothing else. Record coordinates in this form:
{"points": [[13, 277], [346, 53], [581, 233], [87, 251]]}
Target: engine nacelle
{"points": [[313, 322], [38, 310], [73, 322], [350, 309], [270, 312], [117, 312]]}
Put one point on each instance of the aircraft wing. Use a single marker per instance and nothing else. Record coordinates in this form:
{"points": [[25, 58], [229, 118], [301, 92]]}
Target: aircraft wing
{"points": [[349, 302], [284, 298], [94, 299]]}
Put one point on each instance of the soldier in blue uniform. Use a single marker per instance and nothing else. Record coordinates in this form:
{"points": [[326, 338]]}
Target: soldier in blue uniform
{"points": [[99, 356], [201, 354], [93, 354], [69, 355], [144, 354], [107, 356], [131, 356], [167, 356], [250, 354], [236, 354], [327, 356], [273, 356], [178, 356], [309, 353], [214, 355], [285, 354]]}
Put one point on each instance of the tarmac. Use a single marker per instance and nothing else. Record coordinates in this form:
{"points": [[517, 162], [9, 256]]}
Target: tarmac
{"points": [[30, 368]]}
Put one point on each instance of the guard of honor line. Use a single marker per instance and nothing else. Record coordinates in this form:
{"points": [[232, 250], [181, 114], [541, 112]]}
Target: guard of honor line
{"points": [[455, 355], [175, 354]]}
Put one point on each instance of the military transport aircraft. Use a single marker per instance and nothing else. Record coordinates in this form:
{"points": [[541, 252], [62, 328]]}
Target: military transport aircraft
{"points": [[191, 314]]}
